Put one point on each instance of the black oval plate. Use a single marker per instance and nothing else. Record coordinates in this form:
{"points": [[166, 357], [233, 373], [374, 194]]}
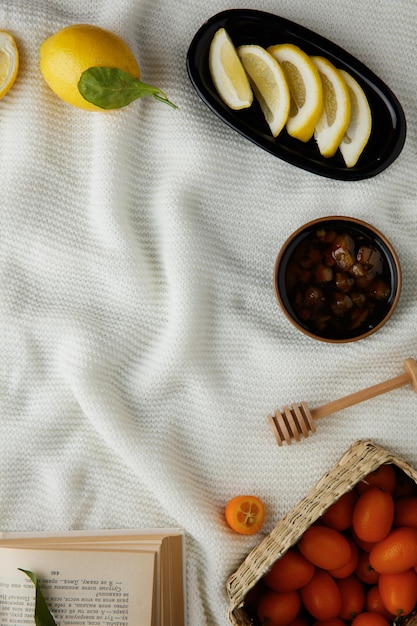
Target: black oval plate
{"points": [[246, 26]]}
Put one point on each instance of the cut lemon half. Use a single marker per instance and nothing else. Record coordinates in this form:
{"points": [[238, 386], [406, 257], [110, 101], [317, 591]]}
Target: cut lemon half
{"points": [[335, 115], [228, 75], [268, 83], [305, 87], [360, 125], [9, 62]]}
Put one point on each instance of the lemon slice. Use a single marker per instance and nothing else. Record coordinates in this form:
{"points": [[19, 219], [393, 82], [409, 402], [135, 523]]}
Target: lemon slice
{"points": [[268, 83], [228, 75], [335, 116], [9, 62], [305, 87], [360, 125]]}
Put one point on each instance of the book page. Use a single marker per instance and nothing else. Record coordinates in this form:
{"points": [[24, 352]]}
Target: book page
{"points": [[81, 588], [77, 536]]}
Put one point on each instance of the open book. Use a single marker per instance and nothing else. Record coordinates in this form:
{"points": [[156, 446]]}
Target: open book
{"points": [[106, 578]]}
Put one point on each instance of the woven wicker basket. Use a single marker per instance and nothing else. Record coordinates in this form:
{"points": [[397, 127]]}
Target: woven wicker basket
{"points": [[362, 458]]}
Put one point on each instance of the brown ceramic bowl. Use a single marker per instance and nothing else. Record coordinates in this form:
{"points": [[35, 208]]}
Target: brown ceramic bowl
{"points": [[337, 279]]}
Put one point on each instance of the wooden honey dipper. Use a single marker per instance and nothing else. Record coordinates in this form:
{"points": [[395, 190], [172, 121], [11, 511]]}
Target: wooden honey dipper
{"points": [[293, 421]]}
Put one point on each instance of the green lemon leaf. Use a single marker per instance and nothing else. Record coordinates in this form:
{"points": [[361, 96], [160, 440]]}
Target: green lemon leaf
{"points": [[111, 88], [43, 615]]}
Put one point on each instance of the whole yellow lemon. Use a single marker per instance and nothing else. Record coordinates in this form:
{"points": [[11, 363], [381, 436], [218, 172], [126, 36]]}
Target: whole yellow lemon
{"points": [[68, 53]]}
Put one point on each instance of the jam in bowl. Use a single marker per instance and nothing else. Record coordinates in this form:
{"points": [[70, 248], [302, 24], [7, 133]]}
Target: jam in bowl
{"points": [[337, 279]]}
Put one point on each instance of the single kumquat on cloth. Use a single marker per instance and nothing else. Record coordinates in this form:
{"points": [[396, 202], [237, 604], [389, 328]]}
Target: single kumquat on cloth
{"points": [[245, 514], [354, 566]]}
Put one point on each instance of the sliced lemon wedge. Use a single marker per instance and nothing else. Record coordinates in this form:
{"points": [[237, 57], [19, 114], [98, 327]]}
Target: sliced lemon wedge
{"points": [[9, 62], [360, 125], [228, 75], [335, 116], [268, 83], [305, 87]]}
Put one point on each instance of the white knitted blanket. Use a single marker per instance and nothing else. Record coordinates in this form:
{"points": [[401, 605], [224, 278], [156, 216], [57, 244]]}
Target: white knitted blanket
{"points": [[141, 345]]}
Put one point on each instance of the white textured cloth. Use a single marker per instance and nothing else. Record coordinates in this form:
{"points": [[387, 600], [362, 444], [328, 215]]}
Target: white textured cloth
{"points": [[141, 343]]}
